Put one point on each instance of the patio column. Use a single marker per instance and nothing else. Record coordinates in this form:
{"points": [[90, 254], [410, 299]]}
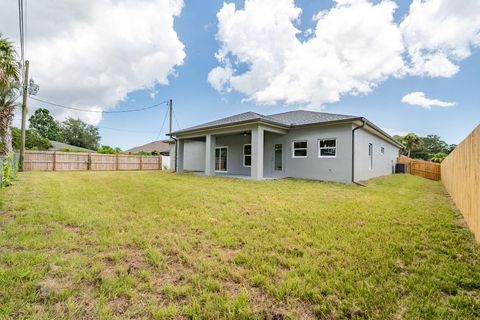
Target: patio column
{"points": [[210, 144], [257, 153], [180, 149]]}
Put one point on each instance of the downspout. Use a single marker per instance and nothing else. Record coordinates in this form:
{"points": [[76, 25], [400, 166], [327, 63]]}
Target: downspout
{"points": [[353, 152]]}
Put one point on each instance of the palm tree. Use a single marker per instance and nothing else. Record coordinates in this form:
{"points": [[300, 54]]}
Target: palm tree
{"points": [[9, 84], [412, 142], [8, 102], [9, 68]]}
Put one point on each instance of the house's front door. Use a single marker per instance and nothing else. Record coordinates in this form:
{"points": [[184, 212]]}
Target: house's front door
{"points": [[278, 157]]}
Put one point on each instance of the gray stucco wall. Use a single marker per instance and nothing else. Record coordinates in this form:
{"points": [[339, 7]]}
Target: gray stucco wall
{"points": [[382, 163], [312, 167], [337, 169], [235, 144], [194, 156]]}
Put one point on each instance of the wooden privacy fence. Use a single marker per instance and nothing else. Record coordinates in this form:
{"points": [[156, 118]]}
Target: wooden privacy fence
{"points": [[426, 169], [70, 161], [461, 178]]}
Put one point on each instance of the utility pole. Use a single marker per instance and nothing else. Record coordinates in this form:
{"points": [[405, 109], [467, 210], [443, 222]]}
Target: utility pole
{"points": [[24, 114], [170, 112]]}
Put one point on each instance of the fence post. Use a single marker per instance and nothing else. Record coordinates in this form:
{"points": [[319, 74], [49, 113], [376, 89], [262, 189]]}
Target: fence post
{"points": [[54, 160], [116, 162], [89, 162], [159, 162], [141, 163]]}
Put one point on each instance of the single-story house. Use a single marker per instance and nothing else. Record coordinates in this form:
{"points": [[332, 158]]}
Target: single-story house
{"points": [[297, 144]]}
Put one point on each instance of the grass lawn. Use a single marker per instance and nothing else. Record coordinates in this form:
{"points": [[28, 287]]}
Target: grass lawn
{"points": [[160, 245]]}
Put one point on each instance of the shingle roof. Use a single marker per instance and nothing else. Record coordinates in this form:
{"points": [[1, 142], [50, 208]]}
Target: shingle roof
{"points": [[304, 117], [159, 146], [56, 146], [287, 119]]}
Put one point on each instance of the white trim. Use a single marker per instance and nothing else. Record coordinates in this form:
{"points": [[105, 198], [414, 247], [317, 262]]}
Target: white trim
{"points": [[293, 149], [319, 148], [243, 152], [226, 163]]}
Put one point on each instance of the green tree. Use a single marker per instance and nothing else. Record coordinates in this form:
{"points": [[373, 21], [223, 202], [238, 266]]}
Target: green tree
{"points": [[430, 148], [9, 84], [9, 67], [411, 142], [430, 145], [78, 133], [45, 124], [438, 157], [108, 150], [33, 140]]}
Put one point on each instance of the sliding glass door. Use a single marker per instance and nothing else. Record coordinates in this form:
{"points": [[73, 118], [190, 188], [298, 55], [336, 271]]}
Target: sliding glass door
{"points": [[221, 157]]}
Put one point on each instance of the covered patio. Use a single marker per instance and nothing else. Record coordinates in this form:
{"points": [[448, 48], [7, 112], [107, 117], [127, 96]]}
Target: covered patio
{"points": [[241, 151]]}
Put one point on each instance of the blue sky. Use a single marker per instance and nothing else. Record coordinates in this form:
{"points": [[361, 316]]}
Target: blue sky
{"points": [[196, 26]]}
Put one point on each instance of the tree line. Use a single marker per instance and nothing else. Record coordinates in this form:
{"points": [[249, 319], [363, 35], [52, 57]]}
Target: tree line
{"points": [[429, 148], [43, 128]]}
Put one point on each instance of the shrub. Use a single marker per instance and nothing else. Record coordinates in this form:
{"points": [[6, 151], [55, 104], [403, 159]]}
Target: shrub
{"points": [[9, 168]]}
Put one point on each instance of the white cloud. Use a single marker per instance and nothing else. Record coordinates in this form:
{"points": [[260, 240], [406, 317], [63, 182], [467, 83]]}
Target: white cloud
{"points": [[438, 33], [346, 54], [419, 99], [90, 54], [262, 57]]}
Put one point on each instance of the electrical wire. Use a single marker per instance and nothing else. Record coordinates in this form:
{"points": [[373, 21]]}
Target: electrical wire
{"points": [[126, 130], [22, 36], [178, 125], [25, 28], [161, 128], [98, 111]]}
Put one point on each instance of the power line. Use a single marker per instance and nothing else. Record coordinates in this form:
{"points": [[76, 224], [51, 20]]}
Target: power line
{"points": [[178, 125], [161, 128], [127, 130], [25, 28], [98, 111], [22, 35]]}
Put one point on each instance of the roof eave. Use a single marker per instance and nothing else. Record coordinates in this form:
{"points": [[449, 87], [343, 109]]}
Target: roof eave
{"points": [[386, 135], [255, 120]]}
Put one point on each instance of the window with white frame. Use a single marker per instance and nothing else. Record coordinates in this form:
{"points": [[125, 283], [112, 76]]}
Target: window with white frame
{"points": [[327, 148], [247, 155], [382, 150], [299, 149]]}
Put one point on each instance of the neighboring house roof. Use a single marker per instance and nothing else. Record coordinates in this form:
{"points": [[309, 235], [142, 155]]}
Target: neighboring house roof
{"points": [[290, 119], [158, 145], [60, 145]]}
